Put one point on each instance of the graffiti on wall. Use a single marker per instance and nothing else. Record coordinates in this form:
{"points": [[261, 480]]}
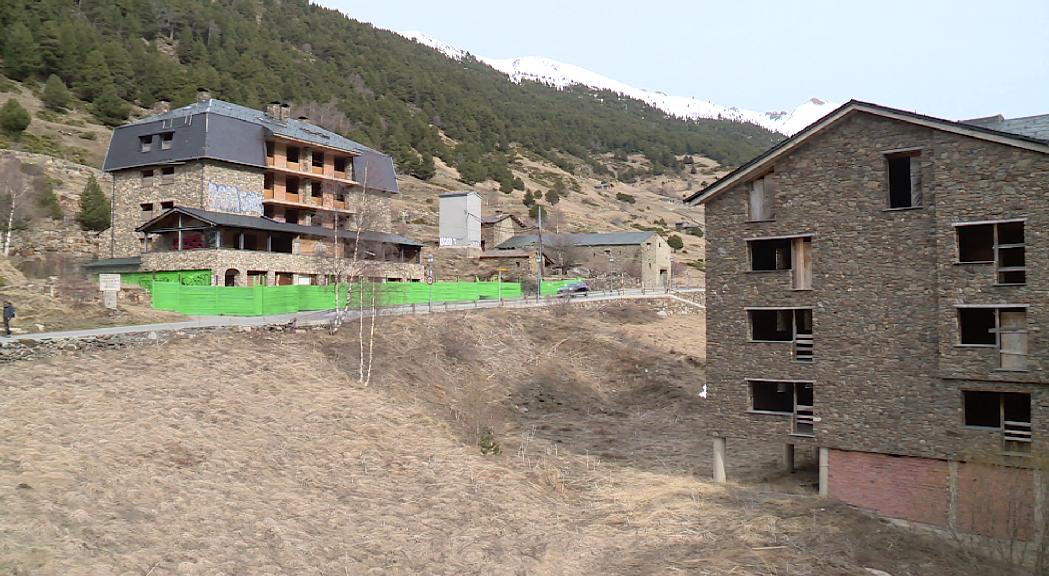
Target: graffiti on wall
{"points": [[229, 198]]}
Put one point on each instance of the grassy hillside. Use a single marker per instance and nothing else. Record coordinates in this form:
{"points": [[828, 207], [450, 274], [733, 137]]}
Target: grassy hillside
{"points": [[371, 84], [195, 458]]}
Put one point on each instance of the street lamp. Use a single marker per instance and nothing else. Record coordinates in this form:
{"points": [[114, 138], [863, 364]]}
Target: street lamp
{"points": [[611, 259]]}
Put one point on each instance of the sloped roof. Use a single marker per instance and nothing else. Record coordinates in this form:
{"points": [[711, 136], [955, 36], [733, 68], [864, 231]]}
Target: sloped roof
{"points": [[1032, 126], [270, 225], [763, 160], [291, 128], [599, 239], [499, 218]]}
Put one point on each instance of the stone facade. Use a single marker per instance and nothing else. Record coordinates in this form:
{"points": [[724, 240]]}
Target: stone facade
{"points": [[888, 373], [644, 265], [495, 233], [243, 262]]}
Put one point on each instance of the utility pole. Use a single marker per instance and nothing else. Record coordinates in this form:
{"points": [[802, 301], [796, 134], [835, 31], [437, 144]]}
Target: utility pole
{"points": [[539, 258]]}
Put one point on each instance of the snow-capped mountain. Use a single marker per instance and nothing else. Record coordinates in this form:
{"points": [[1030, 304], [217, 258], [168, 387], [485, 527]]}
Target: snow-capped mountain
{"points": [[561, 75]]}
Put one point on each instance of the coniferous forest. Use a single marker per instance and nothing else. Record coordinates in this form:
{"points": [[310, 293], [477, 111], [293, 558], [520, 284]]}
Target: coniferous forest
{"points": [[388, 92]]}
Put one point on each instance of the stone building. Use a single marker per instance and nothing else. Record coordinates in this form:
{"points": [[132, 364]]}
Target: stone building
{"points": [[636, 259], [876, 289], [498, 229], [252, 196]]}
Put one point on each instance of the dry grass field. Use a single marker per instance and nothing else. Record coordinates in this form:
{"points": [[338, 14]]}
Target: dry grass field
{"points": [[259, 453]]}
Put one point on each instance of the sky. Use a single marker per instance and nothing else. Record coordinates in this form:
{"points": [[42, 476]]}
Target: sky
{"points": [[958, 59]]}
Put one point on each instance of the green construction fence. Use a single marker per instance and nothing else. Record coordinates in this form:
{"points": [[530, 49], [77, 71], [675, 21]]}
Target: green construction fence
{"points": [[185, 277], [244, 301], [406, 293]]}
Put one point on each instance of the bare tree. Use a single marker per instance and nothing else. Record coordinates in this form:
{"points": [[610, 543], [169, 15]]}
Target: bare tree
{"points": [[563, 254], [16, 198]]}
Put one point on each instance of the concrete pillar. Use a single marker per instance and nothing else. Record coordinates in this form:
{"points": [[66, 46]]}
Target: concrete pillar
{"points": [[719, 460], [824, 471], [788, 458], [1039, 505]]}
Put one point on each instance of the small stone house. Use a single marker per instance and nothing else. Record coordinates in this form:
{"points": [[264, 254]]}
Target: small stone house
{"points": [[642, 258], [876, 291], [498, 229], [253, 197]]}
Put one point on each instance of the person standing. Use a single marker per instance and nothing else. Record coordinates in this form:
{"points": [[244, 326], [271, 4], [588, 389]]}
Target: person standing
{"points": [[9, 314]]}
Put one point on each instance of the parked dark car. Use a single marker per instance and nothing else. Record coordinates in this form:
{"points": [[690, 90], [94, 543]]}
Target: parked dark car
{"points": [[573, 289]]}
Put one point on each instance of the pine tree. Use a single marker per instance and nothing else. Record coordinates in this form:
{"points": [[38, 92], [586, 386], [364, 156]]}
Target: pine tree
{"points": [[109, 108], [13, 118], [675, 242], [553, 197], [21, 55], [94, 77], [56, 95], [94, 207], [426, 168]]}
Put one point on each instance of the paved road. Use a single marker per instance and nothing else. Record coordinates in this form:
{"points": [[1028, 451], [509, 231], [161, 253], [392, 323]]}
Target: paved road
{"points": [[324, 317]]}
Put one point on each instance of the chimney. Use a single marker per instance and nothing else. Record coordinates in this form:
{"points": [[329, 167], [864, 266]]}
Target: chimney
{"points": [[203, 95], [285, 111], [163, 105], [273, 110], [304, 119]]}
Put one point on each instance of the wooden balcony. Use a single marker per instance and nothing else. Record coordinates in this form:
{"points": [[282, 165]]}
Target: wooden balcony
{"points": [[315, 172]]}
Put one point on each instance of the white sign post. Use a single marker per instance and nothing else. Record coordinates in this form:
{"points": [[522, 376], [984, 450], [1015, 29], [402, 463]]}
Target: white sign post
{"points": [[109, 284]]}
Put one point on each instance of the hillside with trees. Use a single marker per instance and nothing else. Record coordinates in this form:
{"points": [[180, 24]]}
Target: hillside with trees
{"points": [[370, 84]]}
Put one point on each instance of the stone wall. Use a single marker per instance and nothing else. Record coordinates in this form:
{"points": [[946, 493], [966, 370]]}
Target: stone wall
{"points": [[131, 191], [243, 261], [232, 188], [887, 375]]}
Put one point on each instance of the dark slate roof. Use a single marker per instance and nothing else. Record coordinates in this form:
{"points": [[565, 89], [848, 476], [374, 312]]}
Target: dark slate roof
{"points": [[268, 224], [291, 128], [602, 239], [220, 130], [975, 129], [1031, 126]]}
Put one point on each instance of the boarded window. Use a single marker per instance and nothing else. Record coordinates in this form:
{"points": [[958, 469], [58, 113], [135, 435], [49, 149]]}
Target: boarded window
{"points": [[1002, 243], [801, 264], [166, 140], [167, 175], [145, 143], [1009, 412], [1012, 338], [762, 198], [770, 254], [772, 396], [147, 177], [905, 180]]}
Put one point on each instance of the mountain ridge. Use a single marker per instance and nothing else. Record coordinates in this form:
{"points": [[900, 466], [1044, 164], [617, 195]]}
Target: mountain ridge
{"points": [[562, 75]]}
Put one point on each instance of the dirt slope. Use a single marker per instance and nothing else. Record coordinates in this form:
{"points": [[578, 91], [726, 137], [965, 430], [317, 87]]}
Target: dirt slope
{"points": [[259, 453]]}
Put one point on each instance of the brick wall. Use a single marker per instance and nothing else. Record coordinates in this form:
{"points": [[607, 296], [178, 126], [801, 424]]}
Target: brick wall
{"points": [[914, 489]]}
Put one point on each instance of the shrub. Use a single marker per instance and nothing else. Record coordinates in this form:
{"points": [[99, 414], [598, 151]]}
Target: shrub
{"points": [[675, 242], [624, 197], [13, 117]]}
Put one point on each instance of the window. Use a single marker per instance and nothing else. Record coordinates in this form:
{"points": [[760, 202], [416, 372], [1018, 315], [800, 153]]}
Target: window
{"points": [[762, 198], [905, 180], [784, 325], [167, 204], [340, 164], [795, 254], [269, 149], [1003, 327], [267, 181], [315, 190], [147, 177], [145, 143], [772, 254], [318, 159], [794, 399], [1009, 412], [166, 139], [167, 175], [1000, 243], [147, 206], [293, 155]]}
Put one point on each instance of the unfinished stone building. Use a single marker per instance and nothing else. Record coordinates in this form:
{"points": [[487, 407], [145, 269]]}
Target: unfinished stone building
{"points": [[877, 291], [628, 259], [253, 197]]}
